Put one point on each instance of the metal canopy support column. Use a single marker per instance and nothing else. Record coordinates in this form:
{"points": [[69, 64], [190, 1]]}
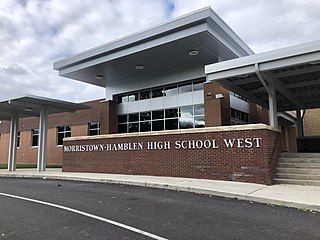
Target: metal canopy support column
{"points": [[43, 129], [272, 96], [273, 106], [299, 123], [12, 156]]}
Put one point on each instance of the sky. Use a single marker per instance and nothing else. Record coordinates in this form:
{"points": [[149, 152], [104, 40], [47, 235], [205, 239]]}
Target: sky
{"points": [[35, 33]]}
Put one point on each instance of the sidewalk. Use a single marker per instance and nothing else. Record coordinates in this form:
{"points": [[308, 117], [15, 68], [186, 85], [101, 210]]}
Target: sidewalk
{"points": [[302, 197]]}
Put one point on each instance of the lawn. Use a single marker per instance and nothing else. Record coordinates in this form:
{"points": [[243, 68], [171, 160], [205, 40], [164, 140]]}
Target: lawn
{"points": [[5, 166]]}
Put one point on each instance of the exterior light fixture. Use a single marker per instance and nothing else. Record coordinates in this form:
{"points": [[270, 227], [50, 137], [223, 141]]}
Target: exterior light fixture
{"points": [[139, 67], [98, 77], [219, 96], [243, 76], [193, 52], [315, 62], [28, 109]]}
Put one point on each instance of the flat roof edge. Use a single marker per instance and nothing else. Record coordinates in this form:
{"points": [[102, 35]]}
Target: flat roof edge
{"points": [[183, 22], [260, 58]]}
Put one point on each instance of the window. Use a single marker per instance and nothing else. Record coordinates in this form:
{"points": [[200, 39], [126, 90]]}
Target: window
{"points": [[157, 93], [238, 117], [145, 95], [164, 119], [35, 137], [63, 132], [94, 128], [133, 97], [18, 140], [170, 91], [184, 88], [198, 85]]}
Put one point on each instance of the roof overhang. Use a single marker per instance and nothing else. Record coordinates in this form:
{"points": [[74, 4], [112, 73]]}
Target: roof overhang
{"points": [[162, 47], [294, 71], [30, 106]]}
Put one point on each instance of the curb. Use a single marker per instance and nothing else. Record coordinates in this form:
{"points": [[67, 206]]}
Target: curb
{"points": [[246, 197]]}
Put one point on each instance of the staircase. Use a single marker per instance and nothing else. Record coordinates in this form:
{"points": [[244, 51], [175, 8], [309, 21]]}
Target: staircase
{"points": [[298, 168]]}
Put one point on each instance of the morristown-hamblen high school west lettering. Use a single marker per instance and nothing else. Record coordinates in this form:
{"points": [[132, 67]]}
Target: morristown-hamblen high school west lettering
{"points": [[164, 145]]}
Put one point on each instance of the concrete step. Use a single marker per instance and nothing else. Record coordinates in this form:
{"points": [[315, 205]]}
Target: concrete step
{"points": [[298, 176], [299, 155], [299, 160], [298, 170], [297, 182], [298, 165]]}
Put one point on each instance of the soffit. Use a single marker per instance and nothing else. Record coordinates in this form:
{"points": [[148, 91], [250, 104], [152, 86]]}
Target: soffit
{"points": [[295, 72]]}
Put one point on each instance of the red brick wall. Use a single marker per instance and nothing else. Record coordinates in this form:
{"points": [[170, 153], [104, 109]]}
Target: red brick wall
{"points": [[255, 164], [28, 154], [216, 111], [108, 117]]}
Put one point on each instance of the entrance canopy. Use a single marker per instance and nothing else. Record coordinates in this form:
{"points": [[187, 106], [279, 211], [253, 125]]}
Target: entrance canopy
{"points": [[187, 42], [32, 106], [293, 73]]}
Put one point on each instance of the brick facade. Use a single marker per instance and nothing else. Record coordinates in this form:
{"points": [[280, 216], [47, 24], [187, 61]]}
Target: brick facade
{"points": [[245, 164], [311, 122], [216, 111], [26, 153]]}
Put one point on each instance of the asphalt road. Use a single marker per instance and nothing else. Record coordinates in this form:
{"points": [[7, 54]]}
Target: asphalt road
{"points": [[163, 213]]}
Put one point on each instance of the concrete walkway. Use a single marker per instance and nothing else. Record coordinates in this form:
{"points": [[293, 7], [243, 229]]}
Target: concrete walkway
{"points": [[297, 196]]}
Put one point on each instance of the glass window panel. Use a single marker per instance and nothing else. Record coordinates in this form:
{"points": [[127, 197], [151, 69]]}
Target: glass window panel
{"points": [[199, 122], [133, 117], [157, 125], [145, 126], [60, 128], [94, 125], [67, 128], [157, 93], [60, 139], [122, 128], [144, 95], [145, 116], [157, 114], [133, 127], [35, 137], [186, 111], [133, 97], [94, 132], [123, 99], [18, 140], [122, 118], [199, 109], [171, 124], [185, 122], [170, 91], [198, 86], [185, 88], [67, 134], [171, 113]]}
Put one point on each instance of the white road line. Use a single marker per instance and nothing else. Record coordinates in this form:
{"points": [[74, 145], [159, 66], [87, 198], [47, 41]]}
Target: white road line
{"points": [[87, 215]]}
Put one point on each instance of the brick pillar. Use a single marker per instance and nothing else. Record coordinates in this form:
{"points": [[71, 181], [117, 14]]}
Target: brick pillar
{"points": [[108, 117], [217, 111], [253, 117]]}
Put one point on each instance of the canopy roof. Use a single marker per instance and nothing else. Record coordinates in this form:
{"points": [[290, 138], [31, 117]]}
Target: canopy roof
{"points": [[294, 71], [30, 106], [162, 47]]}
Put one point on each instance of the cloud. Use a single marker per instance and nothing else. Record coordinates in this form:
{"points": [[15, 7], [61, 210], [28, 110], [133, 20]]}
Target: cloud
{"points": [[34, 34]]}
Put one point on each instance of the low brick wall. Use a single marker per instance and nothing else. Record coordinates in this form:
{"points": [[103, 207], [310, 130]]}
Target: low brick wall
{"points": [[237, 153]]}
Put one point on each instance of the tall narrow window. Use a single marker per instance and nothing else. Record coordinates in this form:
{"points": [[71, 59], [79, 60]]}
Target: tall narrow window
{"points": [[63, 132], [35, 137], [94, 128], [18, 140]]}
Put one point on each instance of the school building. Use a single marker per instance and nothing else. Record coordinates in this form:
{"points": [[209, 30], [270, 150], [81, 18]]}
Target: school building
{"points": [[186, 98]]}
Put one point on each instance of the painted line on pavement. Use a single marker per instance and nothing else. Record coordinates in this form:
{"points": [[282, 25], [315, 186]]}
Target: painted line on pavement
{"points": [[133, 229]]}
